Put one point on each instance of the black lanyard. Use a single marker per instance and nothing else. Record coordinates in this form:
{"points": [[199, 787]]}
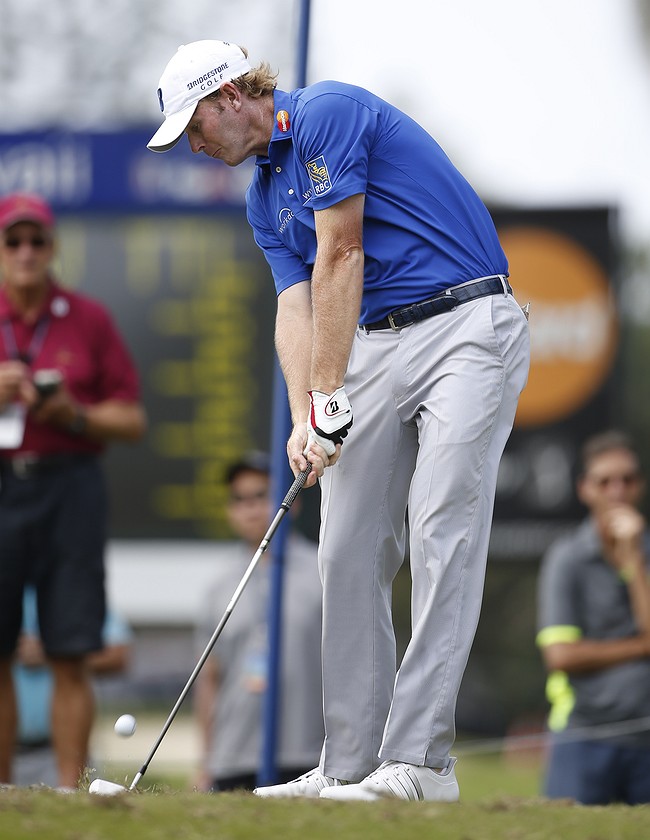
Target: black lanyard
{"points": [[35, 345]]}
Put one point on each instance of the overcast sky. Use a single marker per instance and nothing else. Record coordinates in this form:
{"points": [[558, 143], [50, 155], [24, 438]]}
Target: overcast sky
{"points": [[537, 101]]}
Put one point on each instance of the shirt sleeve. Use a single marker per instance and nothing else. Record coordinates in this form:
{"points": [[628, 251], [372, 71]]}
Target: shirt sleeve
{"points": [[334, 135], [558, 618], [286, 266], [118, 378]]}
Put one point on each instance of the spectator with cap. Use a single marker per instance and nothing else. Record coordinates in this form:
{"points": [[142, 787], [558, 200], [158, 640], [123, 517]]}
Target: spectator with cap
{"points": [[68, 387], [230, 687], [594, 634]]}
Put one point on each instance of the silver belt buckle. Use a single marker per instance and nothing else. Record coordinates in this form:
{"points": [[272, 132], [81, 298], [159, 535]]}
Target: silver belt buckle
{"points": [[391, 320], [392, 323]]}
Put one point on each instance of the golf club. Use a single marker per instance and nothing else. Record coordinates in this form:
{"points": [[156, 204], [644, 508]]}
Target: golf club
{"points": [[104, 788]]}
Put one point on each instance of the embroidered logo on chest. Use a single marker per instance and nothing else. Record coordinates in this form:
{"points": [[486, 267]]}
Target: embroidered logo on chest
{"points": [[284, 217]]}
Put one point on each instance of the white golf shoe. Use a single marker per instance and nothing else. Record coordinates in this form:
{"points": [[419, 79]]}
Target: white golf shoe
{"points": [[308, 785], [397, 780]]}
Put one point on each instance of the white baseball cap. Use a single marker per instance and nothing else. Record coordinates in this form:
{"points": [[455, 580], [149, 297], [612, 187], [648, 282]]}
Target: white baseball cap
{"points": [[196, 70]]}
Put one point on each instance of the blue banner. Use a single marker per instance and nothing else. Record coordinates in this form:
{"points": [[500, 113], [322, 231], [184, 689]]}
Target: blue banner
{"points": [[116, 172]]}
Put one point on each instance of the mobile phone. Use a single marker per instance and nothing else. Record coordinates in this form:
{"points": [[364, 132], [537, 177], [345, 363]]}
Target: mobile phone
{"points": [[47, 382]]}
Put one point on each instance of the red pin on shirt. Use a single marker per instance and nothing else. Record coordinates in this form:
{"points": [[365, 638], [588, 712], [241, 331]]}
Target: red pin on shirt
{"points": [[284, 124]]}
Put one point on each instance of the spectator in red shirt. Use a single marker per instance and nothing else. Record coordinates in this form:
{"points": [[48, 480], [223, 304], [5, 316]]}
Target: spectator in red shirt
{"points": [[68, 387]]}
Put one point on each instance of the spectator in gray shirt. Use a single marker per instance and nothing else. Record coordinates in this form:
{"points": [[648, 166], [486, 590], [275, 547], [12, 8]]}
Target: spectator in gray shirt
{"points": [[230, 687], [594, 635]]}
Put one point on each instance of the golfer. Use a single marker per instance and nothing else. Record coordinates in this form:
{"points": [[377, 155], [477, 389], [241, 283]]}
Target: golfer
{"points": [[404, 353]]}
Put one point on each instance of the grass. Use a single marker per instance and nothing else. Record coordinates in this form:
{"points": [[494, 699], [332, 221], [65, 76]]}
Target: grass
{"points": [[480, 778], [164, 814], [499, 802]]}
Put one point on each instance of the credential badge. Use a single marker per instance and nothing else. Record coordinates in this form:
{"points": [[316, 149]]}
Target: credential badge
{"points": [[59, 307]]}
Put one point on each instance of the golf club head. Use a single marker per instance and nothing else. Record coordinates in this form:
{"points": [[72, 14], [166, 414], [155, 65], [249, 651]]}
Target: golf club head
{"points": [[103, 788]]}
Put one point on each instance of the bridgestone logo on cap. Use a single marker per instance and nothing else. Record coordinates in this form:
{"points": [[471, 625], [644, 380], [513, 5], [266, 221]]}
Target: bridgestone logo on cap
{"points": [[217, 71]]}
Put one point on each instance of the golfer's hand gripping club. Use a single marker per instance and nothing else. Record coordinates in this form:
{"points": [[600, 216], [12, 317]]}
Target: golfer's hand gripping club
{"points": [[330, 418], [296, 487]]}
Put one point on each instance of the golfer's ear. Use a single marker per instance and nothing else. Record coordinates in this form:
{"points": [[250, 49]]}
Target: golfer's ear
{"points": [[231, 95]]}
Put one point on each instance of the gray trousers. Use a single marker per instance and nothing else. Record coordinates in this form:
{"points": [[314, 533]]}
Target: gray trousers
{"points": [[433, 408]]}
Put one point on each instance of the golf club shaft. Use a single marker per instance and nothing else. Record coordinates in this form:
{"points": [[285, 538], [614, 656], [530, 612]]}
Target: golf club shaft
{"points": [[284, 507]]}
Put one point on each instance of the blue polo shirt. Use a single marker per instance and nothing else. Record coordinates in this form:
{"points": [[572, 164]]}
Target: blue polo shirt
{"points": [[425, 228]]}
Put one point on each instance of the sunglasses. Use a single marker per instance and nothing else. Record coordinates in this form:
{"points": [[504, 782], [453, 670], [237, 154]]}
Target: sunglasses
{"points": [[250, 498], [36, 242], [628, 479]]}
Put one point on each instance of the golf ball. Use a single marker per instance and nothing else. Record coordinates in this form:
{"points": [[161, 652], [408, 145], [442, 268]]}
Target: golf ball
{"points": [[125, 725]]}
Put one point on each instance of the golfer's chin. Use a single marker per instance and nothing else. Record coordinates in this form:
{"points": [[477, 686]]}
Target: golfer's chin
{"points": [[229, 158]]}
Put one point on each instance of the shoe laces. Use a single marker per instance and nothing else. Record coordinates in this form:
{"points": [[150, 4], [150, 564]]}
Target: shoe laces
{"points": [[383, 766], [318, 779]]}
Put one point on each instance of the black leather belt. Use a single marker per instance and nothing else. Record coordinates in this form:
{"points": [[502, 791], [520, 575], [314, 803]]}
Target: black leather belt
{"points": [[30, 465], [442, 302]]}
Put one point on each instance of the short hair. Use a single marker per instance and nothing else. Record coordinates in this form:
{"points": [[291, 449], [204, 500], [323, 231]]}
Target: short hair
{"points": [[605, 442], [254, 461], [258, 82]]}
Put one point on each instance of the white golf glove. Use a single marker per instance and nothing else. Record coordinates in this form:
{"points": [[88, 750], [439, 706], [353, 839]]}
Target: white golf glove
{"points": [[330, 418]]}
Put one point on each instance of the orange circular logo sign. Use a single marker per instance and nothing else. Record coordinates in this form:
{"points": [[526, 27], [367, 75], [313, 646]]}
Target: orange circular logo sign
{"points": [[573, 322]]}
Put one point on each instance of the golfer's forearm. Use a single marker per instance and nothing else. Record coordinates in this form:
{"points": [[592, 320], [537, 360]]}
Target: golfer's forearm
{"points": [[293, 341], [337, 284]]}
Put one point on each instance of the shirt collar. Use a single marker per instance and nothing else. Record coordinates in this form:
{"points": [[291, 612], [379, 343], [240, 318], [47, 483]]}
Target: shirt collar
{"points": [[282, 123]]}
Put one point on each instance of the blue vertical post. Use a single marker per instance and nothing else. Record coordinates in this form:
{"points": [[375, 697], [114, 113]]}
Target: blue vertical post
{"points": [[303, 43], [281, 478]]}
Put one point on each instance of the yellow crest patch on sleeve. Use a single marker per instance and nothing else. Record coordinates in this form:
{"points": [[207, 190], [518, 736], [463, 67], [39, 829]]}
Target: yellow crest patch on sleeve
{"points": [[319, 175]]}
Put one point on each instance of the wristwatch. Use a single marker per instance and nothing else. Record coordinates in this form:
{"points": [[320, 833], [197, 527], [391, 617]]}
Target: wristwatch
{"points": [[78, 423]]}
